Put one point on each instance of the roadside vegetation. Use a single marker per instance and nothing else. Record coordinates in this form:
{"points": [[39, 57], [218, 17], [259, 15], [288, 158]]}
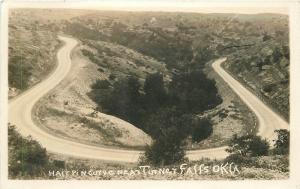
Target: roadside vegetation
{"points": [[29, 160], [252, 150]]}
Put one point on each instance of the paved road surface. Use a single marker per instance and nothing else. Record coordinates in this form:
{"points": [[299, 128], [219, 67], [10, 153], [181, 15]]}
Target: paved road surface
{"points": [[20, 109]]}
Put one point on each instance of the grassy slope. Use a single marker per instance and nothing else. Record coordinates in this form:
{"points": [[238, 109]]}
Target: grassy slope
{"points": [[32, 51]]}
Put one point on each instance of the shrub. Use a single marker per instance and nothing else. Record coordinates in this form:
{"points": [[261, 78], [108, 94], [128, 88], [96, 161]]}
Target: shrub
{"points": [[282, 143], [27, 157], [248, 145]]}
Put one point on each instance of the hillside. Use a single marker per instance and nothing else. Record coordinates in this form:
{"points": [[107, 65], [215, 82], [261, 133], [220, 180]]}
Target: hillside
{"points": [[264, 68], [257, 46], [32, 52], [68, 110], [144, 81]]}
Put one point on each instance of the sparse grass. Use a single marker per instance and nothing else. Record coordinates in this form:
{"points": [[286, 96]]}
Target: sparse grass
{"points": [[109, 133], [32, 53], [104, 129]]}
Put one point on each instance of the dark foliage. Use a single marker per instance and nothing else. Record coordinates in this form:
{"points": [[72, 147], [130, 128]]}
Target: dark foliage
{"points": [[155, 93], [282, 143], [193, 92], [124, 100], [169, 131], [201, 129], [151, 106], [166, 113], [248, 145], [166, 150], [163, 120]]}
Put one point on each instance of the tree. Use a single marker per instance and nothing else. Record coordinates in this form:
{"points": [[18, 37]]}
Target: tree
{"points": [[193, 92], [123, 100], [169, 130], [201, 130], [162, 120], [166, 149], [155, 93], [248, 145], [282, 143]]}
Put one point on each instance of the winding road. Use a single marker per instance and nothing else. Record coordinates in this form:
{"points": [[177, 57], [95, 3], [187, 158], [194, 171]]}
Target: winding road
{"points": [[20, 110]]}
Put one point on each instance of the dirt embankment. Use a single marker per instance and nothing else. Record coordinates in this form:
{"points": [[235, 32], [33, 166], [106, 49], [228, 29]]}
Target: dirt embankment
{"points": [[67, 111], [229, 118]]}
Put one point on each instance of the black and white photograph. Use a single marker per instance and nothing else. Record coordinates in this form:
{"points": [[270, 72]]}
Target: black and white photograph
{"points": [[148, 93]]}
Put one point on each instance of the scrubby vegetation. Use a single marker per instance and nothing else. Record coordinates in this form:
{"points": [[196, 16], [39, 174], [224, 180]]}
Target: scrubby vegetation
{"points": [[19, 72], [282, 143], [264, 66], [160, 109], [249, 145], [248, 150], [27, 158], [32, 48]]}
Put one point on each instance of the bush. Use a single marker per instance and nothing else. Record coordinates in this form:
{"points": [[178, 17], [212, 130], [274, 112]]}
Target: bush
{"points": [[282, 143], [27, 158], [248, 145]]}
